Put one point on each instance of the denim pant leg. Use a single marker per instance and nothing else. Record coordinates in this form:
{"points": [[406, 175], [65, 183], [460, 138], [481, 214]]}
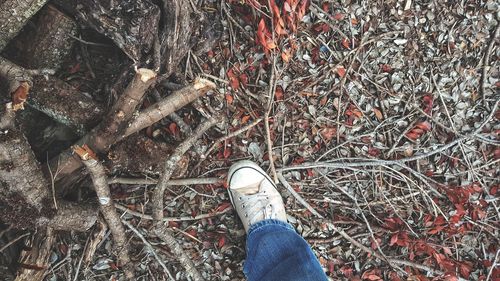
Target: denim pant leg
{"points": [[276, 252]]}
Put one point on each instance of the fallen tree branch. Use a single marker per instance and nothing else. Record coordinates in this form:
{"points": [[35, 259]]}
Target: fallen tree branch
{"points": [[168, 219], [172, 182], [149, 248], [297, 196], [170, 104], [19, 81], [107, 132], [161, 231], [108, 210], [272, 91], [171, 163], [166, 235], [357, 162]]}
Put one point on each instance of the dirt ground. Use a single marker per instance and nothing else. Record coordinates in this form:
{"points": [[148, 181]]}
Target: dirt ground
{"points": [[381, 115]]}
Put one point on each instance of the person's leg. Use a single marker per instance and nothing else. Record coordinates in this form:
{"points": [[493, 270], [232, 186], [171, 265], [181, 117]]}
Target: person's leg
{"points": [[274, 250]]}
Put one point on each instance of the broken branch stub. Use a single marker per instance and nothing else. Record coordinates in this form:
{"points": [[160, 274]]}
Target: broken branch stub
{"points": [[107, 132]]}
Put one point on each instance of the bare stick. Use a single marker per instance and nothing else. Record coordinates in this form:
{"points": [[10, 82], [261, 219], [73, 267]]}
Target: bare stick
{"points": [[14, 241], [171, 163], [299, 198], [486, 59], [149, 248], [493, 266], [109, 212], [171, 182], [195, 218], [170, 104], [272, 90], [233, 134], [166, 235]]}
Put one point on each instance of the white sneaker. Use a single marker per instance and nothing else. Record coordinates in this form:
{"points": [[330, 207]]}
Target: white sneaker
{"points": [[253, 194]]}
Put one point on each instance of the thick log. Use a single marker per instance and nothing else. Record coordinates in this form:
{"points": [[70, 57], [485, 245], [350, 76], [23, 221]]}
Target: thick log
{"points": [[47, 42], [65, 104], [175, 40], [25, 197], [13, 16], [132, 25]]}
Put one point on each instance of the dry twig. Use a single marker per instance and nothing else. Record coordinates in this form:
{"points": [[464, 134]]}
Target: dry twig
{"points": [[149, 248], [297, 196], [171, 163], [170, 104], [108, 210]]}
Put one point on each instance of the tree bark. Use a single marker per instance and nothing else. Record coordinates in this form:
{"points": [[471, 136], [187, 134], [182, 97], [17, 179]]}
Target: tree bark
{"points": [[65, 104], [25, 199], [47, 43], [13, 16]]}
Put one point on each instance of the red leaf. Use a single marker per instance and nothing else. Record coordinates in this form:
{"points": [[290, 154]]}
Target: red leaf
{"points": [[234, 82], [341, 71], [386, 68], [229, 98], [174, 129], [222, 241], [227, 152], [339, 16], [428, 102]]}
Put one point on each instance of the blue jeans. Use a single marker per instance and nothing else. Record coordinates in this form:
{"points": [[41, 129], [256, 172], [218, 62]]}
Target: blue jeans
{"points": [[276, 252]]}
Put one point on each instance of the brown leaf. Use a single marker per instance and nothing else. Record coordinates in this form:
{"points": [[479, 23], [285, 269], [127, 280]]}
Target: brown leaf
{"points": [[378, 114]]}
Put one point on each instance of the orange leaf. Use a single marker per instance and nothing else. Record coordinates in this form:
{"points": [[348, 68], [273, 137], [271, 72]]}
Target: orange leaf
{"points": [[328, 133], [245, 119], [229, 98], [346, 43], [20, 95], [85, 152]]}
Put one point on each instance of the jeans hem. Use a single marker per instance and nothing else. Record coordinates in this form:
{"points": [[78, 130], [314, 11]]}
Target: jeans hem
{"points": [[258, 226]]}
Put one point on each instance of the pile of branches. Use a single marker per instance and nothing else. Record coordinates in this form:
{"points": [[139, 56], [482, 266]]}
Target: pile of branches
{"points": [[38, 37]]}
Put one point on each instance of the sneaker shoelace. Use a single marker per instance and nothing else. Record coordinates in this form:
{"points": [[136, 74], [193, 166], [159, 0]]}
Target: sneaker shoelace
{"points": [[256, 204]]}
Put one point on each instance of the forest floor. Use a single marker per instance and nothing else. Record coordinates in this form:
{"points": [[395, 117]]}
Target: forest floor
{"points": [[380, 115]]}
